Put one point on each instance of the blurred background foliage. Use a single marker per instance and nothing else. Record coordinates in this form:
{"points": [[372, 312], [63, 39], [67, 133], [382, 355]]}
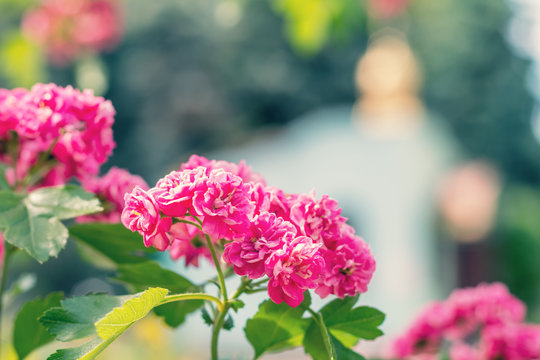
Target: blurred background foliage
{"points": [[195, 76]]}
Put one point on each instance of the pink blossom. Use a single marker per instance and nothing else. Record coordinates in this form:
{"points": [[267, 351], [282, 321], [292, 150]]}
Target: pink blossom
{"points": [[140, 213], [71, 28], [160, 238], [318, 219], [75, 126], [349, 267], [241, 169], [267, 234], [188, 243], [511, 342], [174, 193], [223, 201], [293, 269], [488, 309], [111, 189], [462, 351]]}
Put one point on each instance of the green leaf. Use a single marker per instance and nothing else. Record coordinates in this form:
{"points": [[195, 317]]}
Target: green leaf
{"points": [[277, 326], [343, 352], [4, 185], [113, 241], [229, 323], [348, 324], [87, 351], [76, 318], [120, 318], [28, 333], [33, 222], [109, 326], [148, 274], [206, 317], [174, 314], [63, 202], [313, 341]]}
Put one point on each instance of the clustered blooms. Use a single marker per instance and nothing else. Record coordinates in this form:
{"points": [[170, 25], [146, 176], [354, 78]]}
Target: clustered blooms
{"points": [[71, 28], [59, 131], [481, 323], [297, 241], [111, 189]]}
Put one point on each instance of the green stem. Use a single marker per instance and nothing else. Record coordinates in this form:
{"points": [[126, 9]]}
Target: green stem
{"points": [[318, 318], [177, 220], [193, 296], [7, 254], [221, 278], [218, 324]]}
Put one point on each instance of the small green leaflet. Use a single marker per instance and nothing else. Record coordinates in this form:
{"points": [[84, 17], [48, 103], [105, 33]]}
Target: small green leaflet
{"points": [[28, 333], [33, 223], [144, 275], [346, 326], [277, 326], [109, 326]]}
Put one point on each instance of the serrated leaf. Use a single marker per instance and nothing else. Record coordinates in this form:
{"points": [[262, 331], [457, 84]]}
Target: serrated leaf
{"points": [[277, 326], [148, 274], [348, 324], [32, 224], [87, 351], [113, 241], [113, 324], [76, 318], [63, 202], [28, 333], [120, 318]]}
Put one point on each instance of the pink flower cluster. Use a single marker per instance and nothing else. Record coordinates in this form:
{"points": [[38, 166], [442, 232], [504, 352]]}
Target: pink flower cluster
{"points": [[74, 127], [297, 241], [111, 189], [481, 323], [72, 28]]}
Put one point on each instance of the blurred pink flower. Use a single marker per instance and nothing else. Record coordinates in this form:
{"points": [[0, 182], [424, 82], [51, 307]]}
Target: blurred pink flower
{"points": [[74, 126], [385, 9], [111, 189], [68, 29]]}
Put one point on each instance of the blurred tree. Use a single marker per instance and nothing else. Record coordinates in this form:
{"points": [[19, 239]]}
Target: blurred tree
{"points": [[475, 81]]}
